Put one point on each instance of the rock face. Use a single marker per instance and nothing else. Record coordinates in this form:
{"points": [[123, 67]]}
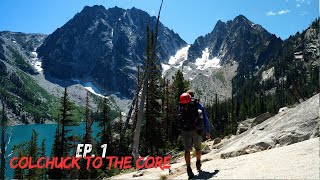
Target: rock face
{"points": [[25, 102], [237, 40], [17, 49], [261, 118], [232, 48], [104, 47], [249, 123], [244, 125], [305, 46], [294, 125], [216, 141]]}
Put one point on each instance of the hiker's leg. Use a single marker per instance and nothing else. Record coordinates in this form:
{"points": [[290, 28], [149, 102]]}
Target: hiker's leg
{"points": [[187, 157], [198, 154], [187, 139], [197, 145]]}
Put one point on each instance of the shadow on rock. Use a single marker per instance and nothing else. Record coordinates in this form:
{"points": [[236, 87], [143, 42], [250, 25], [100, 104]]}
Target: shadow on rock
{"points": [[205, 174]]}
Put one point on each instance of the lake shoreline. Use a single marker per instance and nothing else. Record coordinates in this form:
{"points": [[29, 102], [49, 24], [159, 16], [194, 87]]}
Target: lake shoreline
{"points": [[18, 123]]}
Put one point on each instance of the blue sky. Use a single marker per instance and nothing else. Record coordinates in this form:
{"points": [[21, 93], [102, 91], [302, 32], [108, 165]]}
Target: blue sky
{"points": [[189, 18]]}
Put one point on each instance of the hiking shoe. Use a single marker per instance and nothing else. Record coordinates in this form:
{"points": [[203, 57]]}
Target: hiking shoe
{"points": [[189, 172], [198, 165]]}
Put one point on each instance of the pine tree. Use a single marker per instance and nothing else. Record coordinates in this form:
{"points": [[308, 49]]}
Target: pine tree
{"points": [[105, 125], [153, 126], [3, 150], [87, 139], [74, 172], [43, 171], [88, 131], [33, 151], [105, 133], [66, 120], [55, 152], [180, 85], [165, 111], [20, 151], [121, 145], [61, 142]]}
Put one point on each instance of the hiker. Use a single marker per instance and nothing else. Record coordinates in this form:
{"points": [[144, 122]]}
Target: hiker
{"points": [[193, 121]]}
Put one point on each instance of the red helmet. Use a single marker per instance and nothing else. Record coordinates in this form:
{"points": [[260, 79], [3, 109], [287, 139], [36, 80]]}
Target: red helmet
{"points": [[185, 98]]}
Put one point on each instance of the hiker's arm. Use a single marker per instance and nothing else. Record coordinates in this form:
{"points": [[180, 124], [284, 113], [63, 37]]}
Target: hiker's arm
{"points": [[205, 118]]}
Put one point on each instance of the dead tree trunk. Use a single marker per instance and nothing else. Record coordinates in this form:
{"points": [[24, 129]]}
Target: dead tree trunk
{"points": [[134, 102], [136, 139]]}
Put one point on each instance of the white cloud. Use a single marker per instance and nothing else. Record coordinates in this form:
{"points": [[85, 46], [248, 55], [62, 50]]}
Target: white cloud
{"points": [[271, 13], [301, 2], [281, 12], [284, 11]]}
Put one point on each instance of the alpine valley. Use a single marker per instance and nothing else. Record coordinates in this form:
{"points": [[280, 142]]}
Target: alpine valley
{"points": [[100, 49]]}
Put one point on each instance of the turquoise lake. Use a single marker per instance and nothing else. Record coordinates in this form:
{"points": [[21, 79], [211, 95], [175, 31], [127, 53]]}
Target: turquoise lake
{"points": [[22, 134]]}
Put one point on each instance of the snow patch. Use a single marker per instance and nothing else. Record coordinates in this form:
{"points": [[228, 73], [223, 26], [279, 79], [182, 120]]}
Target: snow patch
{"points": [[176, 61], [204, 62], [165, 68], [38, 66], [298, 57], [180, 56], [36, 63], [34, 54], [91, 88], [267, 74]]}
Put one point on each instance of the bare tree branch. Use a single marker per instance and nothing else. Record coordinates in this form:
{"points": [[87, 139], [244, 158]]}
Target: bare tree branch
{"points": [[136, 139]]}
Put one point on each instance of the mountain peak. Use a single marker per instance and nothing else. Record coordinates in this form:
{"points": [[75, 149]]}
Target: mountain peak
{"points": [[219, 24], [104, 46], [241, 18], [116, 8], [233, 40], [94, 7]]}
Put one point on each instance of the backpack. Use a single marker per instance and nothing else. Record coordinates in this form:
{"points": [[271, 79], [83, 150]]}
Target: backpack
{"points": [[189, 116]]}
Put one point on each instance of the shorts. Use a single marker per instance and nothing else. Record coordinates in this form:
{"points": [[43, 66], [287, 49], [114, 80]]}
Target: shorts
{"points": [[191, 138]]}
